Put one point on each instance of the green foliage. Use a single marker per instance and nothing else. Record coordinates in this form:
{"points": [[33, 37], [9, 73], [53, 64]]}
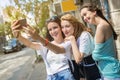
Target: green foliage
{"points": [[38, 9], [13, 13], [2, 33]]}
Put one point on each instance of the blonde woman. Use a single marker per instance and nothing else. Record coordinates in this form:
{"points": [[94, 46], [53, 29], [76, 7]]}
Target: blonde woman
{"points": [[82, 46]]}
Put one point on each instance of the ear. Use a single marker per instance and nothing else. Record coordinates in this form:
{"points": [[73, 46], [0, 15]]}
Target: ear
{"points": [[95, 13]]}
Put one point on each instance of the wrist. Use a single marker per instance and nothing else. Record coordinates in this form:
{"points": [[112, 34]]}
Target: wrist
{"points": [[46, 42], [72, 38]]}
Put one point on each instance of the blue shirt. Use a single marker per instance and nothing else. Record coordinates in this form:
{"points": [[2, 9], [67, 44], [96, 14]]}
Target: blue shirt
{"points": [[105, 54]]}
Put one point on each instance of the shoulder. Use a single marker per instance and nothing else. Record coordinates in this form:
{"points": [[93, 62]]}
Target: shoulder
{"points": [[103, 26], [85, 34], [101, 31]]}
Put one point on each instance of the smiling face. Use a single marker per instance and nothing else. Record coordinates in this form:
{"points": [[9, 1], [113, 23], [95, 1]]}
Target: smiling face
{"points": [[88, 16], [54, 30], [67, 28]]}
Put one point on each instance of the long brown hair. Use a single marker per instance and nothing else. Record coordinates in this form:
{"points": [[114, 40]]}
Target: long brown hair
{"points": [[57, 20], [93, 7], [78, 26]]}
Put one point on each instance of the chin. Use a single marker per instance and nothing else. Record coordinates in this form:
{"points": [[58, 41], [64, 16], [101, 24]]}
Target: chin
{"points": [[66, 35]]}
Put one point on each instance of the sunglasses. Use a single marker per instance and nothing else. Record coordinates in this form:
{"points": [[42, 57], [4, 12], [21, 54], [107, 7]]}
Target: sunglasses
{"points": [[53, 18]]}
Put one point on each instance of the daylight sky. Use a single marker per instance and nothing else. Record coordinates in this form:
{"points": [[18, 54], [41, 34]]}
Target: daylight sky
{"points": [[3, 3]]}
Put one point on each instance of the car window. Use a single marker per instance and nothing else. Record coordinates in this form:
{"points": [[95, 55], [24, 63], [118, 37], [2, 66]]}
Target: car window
{"points": [[12, 42]]}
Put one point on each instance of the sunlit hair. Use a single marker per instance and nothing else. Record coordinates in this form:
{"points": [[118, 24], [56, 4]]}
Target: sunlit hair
{"points": [[93, 7], [55, 19], [78, 26]]}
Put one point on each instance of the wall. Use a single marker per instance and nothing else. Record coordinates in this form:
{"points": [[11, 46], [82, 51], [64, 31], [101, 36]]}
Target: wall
{"points": [[115, 17]]}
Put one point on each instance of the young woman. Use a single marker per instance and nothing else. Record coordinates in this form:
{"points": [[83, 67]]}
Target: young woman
{"points": [[82, 46], [55, 58], [104, 52]]}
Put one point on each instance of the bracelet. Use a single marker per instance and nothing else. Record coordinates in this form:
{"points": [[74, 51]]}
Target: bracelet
{"points": [[46, 42]]}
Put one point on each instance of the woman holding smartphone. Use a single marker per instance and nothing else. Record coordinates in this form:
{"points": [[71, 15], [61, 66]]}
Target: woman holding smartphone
{"points": [[55, 53]]}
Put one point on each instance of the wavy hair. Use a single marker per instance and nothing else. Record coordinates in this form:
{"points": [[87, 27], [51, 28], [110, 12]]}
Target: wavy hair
{"points": [[78, 26]]}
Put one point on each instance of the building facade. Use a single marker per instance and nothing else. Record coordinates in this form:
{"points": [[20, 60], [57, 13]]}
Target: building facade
{"points": [[112, 10]]}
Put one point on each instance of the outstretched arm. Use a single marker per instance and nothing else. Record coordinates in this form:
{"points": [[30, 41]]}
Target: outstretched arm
{"points": [[44, 42], [16, 32]]}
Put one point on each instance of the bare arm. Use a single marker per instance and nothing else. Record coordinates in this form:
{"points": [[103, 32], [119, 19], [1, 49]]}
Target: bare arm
{"points": [[100, 34], [76, 53], [51, 46], [16, 32], [28, 43], [36, 36]]}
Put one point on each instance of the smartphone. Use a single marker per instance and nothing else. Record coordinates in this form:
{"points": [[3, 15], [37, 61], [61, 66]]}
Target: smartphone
{"points": [[22, 22]]}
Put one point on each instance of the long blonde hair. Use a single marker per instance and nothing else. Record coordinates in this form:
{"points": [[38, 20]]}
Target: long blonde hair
{"points": [[78, 26]]}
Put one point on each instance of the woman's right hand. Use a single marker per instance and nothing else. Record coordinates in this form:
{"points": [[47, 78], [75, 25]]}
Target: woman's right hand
{"points": [[15, 26]]}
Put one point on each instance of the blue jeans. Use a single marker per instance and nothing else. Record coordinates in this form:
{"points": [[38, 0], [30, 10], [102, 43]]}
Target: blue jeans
{"points": [[62, 75]]}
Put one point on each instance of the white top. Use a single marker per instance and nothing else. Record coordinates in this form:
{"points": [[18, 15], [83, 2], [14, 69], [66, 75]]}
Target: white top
{"points": [[56, 62], [85, 43]]}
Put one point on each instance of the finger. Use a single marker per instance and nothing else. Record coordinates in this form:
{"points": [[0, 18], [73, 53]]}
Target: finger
{"points": [[29, 29], [14, 23], [16, 31], [16, 27], [30, 26], [26, 30]]}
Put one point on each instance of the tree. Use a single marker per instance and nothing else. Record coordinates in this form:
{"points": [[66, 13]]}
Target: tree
{"points": [[39, 11], [11, 13]]}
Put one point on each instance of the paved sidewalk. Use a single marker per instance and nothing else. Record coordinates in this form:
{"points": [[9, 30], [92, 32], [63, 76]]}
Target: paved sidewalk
{"points": [[38, 72]]}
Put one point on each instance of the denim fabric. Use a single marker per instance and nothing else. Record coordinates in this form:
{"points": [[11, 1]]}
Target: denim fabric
{"points": [[62, 75], [112, 79]]}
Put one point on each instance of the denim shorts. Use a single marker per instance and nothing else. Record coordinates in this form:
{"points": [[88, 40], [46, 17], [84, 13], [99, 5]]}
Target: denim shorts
{"points": [[62, 75]]}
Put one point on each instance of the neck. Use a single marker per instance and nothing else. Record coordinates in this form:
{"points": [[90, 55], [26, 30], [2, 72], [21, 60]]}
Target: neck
{"points": [[97, 20], [59, 40]]}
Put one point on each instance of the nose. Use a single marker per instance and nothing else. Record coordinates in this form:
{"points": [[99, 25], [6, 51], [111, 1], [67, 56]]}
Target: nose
{"points": [[85, 19], [63, 29]]}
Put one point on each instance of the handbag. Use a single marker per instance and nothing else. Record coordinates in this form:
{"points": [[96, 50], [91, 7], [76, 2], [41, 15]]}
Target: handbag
{"points": [[74, 69]]}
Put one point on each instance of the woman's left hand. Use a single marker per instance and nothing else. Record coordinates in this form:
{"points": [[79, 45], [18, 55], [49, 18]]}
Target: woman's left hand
{"points": [[31, 31]]}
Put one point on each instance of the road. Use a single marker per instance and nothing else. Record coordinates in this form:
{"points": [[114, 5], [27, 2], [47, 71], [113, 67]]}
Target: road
{"points": [[20, 66]]}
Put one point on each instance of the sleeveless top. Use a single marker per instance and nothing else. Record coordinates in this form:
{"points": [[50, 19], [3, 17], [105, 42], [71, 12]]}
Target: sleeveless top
{"points": [[105, 54]]}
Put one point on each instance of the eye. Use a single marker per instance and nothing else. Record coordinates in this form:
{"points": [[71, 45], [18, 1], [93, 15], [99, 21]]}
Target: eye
{"points": [[55, 27], [49, 29], [67, 25]]}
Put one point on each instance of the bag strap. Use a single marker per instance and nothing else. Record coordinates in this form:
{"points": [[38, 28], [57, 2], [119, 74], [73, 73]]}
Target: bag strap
{"points": [[70, 66]]}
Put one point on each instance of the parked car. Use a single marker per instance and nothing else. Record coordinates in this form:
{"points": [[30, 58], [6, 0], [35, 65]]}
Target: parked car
{"points": [[12, 46]]}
